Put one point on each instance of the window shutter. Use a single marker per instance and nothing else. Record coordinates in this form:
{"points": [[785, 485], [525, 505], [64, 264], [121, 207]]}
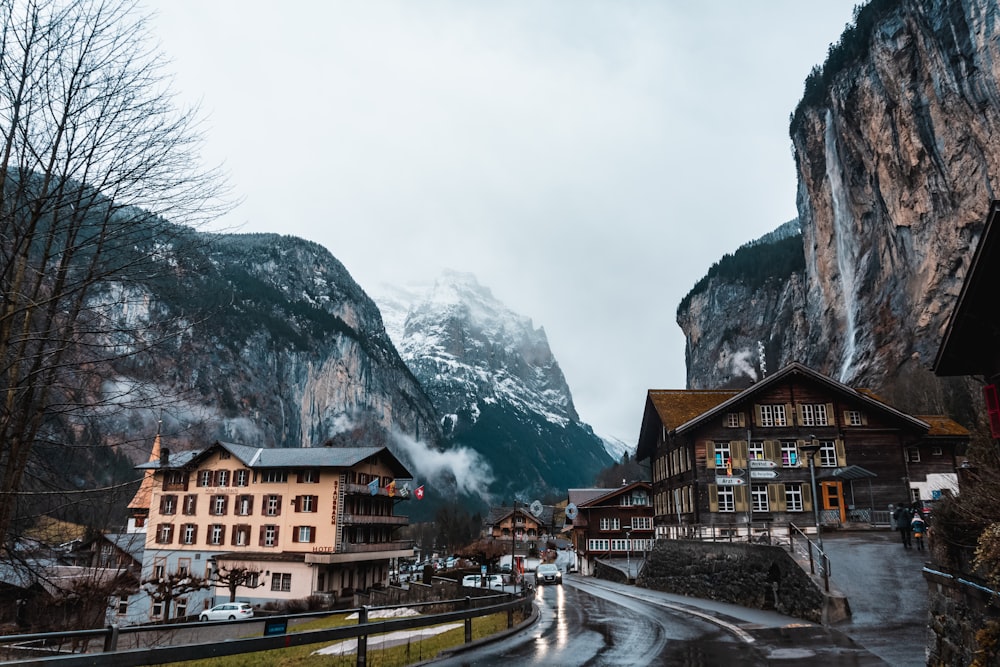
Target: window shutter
{"points": [[756, 415], [807, 499], [260, 540], [295, 533], [845, 416], [740, 498], [743, 419], [222, 535], [187, 477], [799, 417], [709, 454], [776, 497], [163, 500], [276, 528], [992, 398], [312, 535], [803, 460], [740, 451], [232, 538], [838, 444], [298, 476], [225, 504], [790, 415], [295, 502], [772, 451], [713, 498], [830, 414], [250, 510]]}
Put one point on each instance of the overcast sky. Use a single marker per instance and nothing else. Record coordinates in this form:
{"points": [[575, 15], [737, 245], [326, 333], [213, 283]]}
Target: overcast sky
{"points": [[587, 161]]}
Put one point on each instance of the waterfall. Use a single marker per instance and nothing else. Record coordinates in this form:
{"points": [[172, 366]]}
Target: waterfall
{"points": [[843, 236]]}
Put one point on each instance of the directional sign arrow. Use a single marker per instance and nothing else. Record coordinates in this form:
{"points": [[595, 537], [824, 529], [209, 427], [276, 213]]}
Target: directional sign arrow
{"points": [[763, 474], [762, 463]]}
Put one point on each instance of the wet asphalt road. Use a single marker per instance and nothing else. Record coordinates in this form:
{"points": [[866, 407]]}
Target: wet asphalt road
{"points": [[591, 622]]}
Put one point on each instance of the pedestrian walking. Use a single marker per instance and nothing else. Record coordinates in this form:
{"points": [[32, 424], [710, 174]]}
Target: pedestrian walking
{"points": [[903, 518], [919, 529]]}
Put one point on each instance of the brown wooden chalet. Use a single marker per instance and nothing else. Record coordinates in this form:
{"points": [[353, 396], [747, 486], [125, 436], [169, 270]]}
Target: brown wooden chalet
{"points": [[739, 458], [610, 523], [518, 527], [971, 343]]}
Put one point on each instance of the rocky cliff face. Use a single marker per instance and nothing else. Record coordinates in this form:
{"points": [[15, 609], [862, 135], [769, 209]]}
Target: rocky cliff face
{"points": [[497, 386], [897, 158]]}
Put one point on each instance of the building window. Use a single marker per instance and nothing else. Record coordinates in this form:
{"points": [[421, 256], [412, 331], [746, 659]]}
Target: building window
{"points": [[306, 534], [159, 568], [619, 545], [727, 499], [273, 506], [168, 505], [241, 535], [219, 504], [244, 505], [175, 478], [181, 608], [223, 478], [242, 477], [274, 476], [789, 454], [814, 414], [598, 545], [758, 496], [281, 581], [307, 503], [183, 566], [610, 523], [270, 535], [190, 504], [190, 531], [913, 455], [165, 533], [855, 418], [827, 454], [123, 605], [773, 415], [733, 420], [309, 476], [793, 497], [217, 534], [205, 478], [756, 450], [642, 523], [723, 456], [157, 610], [937, 451]]}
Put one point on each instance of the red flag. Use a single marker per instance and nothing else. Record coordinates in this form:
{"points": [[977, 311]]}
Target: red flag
{"points": [[419, 492], [391, 488]]}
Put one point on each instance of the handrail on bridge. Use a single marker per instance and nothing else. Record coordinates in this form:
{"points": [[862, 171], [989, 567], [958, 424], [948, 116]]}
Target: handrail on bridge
{"points": [[824, 561]]}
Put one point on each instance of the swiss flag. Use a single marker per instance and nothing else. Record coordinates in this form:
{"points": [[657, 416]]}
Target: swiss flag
{"points": [[419, 492]]}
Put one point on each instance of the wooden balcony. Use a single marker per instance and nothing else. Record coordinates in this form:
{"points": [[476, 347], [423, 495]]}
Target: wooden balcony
{"points": [[374, 520]]}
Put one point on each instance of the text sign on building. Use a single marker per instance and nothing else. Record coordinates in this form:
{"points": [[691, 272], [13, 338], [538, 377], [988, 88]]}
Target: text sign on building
{"points": [[762, 463], [730, 481], [763, 474]]}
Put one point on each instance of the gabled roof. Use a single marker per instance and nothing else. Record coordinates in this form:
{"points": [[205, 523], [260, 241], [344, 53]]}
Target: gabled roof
{"points": [[614, 493], [942, 426], [971, 332], [498, 514], [298, 457], [144, 494], [680, 411]]}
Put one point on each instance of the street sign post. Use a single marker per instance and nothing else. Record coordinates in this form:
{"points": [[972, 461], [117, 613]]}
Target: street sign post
{"points": [[763, 474], [730, 481], [762, 463]]}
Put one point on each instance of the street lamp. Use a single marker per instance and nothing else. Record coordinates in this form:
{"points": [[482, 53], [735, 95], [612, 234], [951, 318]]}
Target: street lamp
{"points": [[810, 451]]}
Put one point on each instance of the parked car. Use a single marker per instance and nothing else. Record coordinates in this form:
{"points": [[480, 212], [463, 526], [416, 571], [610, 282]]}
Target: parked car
{"points": [[547, 573], [229, 611], [493, 581]]}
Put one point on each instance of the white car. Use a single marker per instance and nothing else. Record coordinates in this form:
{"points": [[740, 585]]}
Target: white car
{"points": [[229, 611], [494, 581]]}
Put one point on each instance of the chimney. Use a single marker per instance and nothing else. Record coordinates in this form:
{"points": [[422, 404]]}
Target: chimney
{"points": [[164, 457]]}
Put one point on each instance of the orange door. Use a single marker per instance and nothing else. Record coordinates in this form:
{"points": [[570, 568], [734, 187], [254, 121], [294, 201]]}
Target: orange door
{"points": [[833, 497]]}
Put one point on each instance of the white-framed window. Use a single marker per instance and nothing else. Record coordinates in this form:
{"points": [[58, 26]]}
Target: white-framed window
{"points": [[273, 505], [793, 497], [159, 568], [123, 605], [183, 566], [241, 535], [307, 503], [619, 545], [274, 476], [270, 535], [168, 505], [789, 454], [814, 414], [773, 415], [610, 523], [913, 454], [638, 498], [217, 534], [642, 523], [175, 478], [310, 476], [242, 477], [281, 581], [937, 451], [305, 533], [723, 455], [727, 499], [165, 533], [219, 505], [733, 420], [205, 478], [157, 611], [756, 450], [855, 418], [758, 498], [223, 478], [598, 545], [190, 530], [244, 505], [190, 503], [827, 454]]}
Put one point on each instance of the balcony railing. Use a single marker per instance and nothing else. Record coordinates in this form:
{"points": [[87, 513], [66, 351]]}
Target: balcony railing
{"points": [[363, 490], [364, 547], [372, 519]]}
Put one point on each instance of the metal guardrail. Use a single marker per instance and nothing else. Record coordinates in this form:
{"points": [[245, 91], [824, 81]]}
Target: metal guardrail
{"points": [[111, 657], [817, 557]]}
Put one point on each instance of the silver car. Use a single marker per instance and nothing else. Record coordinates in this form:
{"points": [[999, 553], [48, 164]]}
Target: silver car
{"points": [[547, 573], [229, 611]]}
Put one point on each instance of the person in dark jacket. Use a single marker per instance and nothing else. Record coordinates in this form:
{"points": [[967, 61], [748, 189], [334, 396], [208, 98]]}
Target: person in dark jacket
{"points": [[919, 529], [903, 516]]}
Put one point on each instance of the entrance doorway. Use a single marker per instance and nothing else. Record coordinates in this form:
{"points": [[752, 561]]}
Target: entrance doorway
{"points": [[832, 494]]}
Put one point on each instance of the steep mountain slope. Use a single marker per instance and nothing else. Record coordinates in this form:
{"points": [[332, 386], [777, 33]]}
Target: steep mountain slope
{"points": [[897, 161], [496, 385]]}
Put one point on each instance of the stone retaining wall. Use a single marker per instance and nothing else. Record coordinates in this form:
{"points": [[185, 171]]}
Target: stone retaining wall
{"points": [[964, 621], [750, 575]]}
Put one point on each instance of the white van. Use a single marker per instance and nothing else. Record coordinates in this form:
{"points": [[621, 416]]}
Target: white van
{"points": [[493, 581]]}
